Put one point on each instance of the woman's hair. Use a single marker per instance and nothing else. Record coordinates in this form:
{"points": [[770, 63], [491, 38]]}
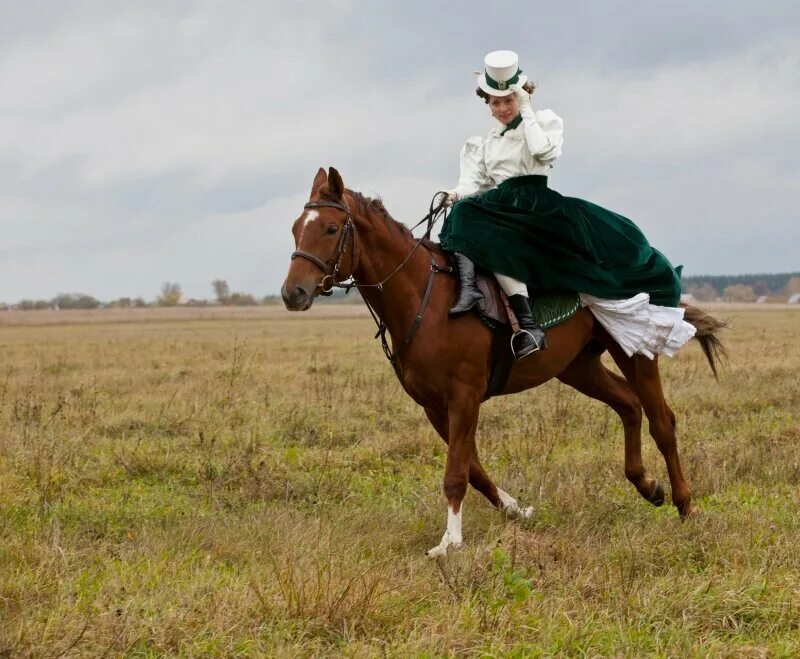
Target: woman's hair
{"points": [[529, 87]]}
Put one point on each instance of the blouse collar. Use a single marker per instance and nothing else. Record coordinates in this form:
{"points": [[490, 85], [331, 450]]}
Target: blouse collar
{"points": [[499, 127]]}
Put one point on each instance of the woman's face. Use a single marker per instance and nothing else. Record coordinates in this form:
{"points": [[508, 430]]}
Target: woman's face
{"points": [[504, 108]]}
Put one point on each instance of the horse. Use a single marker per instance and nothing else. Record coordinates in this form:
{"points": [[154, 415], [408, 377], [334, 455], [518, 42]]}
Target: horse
{"points": [[341, 235]]}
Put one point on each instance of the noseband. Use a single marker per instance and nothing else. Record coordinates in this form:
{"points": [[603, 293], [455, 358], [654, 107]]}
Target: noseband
{"points": [[331, 267]]}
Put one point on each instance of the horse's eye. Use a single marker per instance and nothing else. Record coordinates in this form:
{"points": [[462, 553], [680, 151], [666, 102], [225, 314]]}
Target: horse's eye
{"points": [[332, 229]]}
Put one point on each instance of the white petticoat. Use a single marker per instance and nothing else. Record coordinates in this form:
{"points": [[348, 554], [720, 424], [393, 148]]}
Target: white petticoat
{"points": [[640, 327]]}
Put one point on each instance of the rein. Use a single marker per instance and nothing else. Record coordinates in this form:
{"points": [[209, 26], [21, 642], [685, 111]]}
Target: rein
{"points": [[331, 267]]}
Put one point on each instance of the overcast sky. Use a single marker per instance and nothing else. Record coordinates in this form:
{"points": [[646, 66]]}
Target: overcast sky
{"points": [[144, 142]]}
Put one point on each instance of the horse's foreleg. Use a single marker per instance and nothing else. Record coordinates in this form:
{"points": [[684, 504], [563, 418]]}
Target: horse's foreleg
{"points": [[462, 421], [478, 477]]}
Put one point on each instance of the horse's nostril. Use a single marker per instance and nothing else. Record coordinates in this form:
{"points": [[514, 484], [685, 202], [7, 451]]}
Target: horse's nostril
{"points": [[294, 297]]}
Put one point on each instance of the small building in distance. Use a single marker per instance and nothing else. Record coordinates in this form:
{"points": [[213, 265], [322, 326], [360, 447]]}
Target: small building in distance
{"points": [[794, 299]]}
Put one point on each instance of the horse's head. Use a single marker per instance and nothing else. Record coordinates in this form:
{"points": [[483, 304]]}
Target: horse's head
{"points": [[324, 243]]}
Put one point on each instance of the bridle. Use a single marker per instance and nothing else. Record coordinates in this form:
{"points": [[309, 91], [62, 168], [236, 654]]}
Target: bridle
{"points": [[331, 267]]}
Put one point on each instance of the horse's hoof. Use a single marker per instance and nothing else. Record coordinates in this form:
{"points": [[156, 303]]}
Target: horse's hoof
{"points": [[441, 549], [518, 512], [448, 540], [657, 495], [693, 513]]}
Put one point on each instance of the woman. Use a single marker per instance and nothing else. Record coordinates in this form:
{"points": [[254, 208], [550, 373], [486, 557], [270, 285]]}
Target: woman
{"points": [[507, 220]]}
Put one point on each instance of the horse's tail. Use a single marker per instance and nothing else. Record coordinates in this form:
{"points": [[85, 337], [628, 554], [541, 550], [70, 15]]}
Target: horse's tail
{"points": [[707, 327]]}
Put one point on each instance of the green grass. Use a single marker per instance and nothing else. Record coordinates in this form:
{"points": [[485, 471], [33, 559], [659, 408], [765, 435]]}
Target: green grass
{"points": [[256, 487]]}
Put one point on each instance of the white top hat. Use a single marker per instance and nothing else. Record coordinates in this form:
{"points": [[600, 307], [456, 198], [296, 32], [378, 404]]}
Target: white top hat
{"points": [[501, 71]]}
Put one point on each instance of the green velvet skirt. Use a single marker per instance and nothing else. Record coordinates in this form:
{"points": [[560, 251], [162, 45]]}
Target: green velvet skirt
{"points": [[527, 231]]}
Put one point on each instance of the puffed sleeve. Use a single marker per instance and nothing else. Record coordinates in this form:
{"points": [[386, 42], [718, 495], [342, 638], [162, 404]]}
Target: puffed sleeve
{"points": [[544, 133], [473, 178]]}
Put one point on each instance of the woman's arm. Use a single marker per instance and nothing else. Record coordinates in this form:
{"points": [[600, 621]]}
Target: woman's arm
{"points": [[544, 133], [473, 178]]}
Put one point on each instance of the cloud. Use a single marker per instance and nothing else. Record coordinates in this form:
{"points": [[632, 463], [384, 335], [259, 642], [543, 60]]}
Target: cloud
{"points": [[739, 102], [177, 141]]}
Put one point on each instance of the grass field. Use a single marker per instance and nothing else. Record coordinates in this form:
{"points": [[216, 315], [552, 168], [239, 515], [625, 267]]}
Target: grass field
{"points": [[261, 486]]}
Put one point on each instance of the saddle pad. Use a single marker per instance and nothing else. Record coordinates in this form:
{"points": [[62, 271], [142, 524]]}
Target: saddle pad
{"points": [[549, 309]]}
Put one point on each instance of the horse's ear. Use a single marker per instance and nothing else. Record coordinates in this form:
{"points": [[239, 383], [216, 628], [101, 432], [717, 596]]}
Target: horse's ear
{"points": [[319, 180], [335, 183]]}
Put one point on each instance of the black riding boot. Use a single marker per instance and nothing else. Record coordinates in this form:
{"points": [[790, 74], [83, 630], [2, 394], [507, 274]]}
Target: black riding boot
{"points": [[531, 337], [468, 292]]}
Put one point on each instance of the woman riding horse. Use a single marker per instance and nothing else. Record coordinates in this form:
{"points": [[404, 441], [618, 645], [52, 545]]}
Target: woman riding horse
{"points": [[506, 219], [342, 235]]}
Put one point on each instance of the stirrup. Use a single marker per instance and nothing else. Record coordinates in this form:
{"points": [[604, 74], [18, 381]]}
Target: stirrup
{"points": [[537, 345]]}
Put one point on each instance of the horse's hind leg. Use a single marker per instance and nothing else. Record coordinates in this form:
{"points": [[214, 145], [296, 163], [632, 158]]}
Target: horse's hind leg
{"points": [[642, 374], [588, 375], [662, 429]]}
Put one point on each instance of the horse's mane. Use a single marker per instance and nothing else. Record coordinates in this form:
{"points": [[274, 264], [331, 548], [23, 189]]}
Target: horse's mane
{"points": [[370, 205]]}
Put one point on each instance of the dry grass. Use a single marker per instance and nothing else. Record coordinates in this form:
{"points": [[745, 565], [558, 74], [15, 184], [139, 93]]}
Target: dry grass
{"points": [[262, 486], [352, 307]]}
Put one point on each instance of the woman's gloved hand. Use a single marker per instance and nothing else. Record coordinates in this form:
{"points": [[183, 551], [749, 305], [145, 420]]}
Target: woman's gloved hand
{"points": [[524, 99], [451, 198]]}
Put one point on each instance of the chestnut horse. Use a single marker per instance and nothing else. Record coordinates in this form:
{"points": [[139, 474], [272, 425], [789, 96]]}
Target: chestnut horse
{"points": [[343, 235]]}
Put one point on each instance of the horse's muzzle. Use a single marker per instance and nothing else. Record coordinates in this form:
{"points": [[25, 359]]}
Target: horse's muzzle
{"points": [[296, 298]]}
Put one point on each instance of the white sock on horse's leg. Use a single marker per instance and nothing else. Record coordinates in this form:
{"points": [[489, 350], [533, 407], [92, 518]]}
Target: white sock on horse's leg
{"points": [[511, 286], [511, 507], [452, 536]]}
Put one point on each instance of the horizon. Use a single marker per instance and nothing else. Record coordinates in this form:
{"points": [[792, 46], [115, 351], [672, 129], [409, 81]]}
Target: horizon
{"points": [[260, 298]]}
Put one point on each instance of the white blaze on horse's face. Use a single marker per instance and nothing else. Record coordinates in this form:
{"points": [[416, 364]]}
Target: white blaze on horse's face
{"points": [[311, 215], [302, 280]]}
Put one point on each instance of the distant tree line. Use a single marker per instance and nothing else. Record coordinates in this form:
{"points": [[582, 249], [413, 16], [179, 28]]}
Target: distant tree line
{"points": [[171, 295], [225, 298], [742, 288], [705, 288]]}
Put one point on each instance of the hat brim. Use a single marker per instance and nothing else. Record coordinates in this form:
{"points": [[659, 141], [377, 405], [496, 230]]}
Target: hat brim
{"points": [[499, 92]]}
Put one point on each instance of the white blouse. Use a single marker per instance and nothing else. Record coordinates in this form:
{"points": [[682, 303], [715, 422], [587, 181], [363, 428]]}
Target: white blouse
{"points": [[530, 148]]}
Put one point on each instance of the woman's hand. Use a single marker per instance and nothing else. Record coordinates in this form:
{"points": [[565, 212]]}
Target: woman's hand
{"points": [[524, 100], [450, 198]]}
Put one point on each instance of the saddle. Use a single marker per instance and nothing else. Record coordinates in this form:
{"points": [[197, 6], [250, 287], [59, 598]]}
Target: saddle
{"points": [[549, 309]]}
